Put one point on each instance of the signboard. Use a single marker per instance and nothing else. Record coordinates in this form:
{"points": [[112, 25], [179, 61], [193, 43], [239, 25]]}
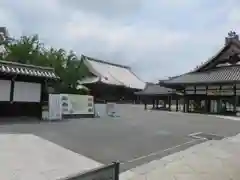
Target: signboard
{"points": [[77, 104], [100, 110], [67, 104], [110, 172], [55, 108], [110, 109]]}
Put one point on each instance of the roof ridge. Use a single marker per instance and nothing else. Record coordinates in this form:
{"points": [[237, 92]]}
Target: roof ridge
{"points": [[212, 70], [106, 62], [211, 58], [136, 75], [26, 65], [225, 46]]}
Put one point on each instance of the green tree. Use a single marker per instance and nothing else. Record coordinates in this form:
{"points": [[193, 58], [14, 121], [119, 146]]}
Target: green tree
{"points": [[24, 50], [67, 65]]}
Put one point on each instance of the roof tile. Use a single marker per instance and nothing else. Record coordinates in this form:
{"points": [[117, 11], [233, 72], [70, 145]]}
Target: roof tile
{"points": [[23, 69], [221, 74], [155, 89], [114, 74]]}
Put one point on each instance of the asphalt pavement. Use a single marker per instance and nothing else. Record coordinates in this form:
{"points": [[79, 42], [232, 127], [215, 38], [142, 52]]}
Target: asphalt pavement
{"points": [[134, 138]]}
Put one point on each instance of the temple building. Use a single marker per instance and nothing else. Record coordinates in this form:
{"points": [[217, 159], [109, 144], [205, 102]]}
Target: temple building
{"points": [[109, 81], [24, 89], [160, 97], [214, 86]]}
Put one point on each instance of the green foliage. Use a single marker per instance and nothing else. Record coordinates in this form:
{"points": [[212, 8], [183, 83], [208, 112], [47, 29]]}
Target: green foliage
{"points": [[67, 65]]}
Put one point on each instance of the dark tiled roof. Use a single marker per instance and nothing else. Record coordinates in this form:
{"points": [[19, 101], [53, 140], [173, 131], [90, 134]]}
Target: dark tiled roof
{"points": [[155, 89], [221, 75], [232, 41], [8, 67]]}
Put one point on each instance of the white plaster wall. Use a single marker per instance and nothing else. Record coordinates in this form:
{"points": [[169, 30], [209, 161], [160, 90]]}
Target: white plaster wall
{"points": [[27, 92], [5, 87]]}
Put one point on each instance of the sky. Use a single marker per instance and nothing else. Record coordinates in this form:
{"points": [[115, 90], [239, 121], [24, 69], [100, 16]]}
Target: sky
{"points": [[157, 38]]}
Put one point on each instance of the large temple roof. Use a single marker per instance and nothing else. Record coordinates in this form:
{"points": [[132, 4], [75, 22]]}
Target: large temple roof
{"points": [[230, 48], [224, 67], [111, 73]]}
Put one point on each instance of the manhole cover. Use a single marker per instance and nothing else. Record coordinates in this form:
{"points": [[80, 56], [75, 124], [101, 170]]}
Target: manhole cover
{"points": [[206, 136]]}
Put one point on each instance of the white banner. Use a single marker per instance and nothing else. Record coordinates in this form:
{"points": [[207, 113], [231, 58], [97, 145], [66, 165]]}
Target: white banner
{"points": [[55, 109]]}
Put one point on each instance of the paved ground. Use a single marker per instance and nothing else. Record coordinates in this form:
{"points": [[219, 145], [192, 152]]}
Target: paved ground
{"points": [[28, 157], [211, 160], [136, 137]]}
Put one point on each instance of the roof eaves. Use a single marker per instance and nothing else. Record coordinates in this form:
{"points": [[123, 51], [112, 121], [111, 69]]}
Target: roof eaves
{"points": [[236, 42], [224, 78], [90, 67], [105, 62], [156, 89], [212, 58], [8, 67], [136, 76], [89, 80], [232, 42], [25, 65]]}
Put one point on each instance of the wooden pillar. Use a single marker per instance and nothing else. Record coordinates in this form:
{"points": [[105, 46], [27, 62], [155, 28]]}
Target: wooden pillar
{"points": [[145, 101], [184, 101], [184, 104], [41, 104], [164, 103], [176, 103], [219, 101], [235, 99], [169, 102], [206, 105], [157, 103], [153, 103], [187, 105], [12, 89], [206, 101]]}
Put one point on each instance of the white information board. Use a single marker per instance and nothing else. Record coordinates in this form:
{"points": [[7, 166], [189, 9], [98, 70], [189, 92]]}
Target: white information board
{"points": [[111, 109], [69, 104], [77, 104], [54, 106]]}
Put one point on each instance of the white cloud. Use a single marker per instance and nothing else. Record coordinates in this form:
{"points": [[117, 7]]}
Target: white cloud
{"points": [[143, 38], [108, 8], [134, 38]]}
